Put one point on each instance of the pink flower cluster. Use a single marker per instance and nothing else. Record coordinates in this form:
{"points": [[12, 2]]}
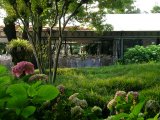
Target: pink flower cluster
{"points": [[23, 67]]}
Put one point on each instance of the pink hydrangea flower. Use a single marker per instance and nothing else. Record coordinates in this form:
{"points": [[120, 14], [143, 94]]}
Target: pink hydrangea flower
{"points": [[23, 67]]}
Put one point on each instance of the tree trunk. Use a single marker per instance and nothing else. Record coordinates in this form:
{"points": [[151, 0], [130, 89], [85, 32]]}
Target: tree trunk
{"points": [[10, 30], [50, 55], [56, 59]]}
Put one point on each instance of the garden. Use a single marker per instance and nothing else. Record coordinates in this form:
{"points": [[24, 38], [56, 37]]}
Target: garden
{"points": [[33, 87], [128, 90]]}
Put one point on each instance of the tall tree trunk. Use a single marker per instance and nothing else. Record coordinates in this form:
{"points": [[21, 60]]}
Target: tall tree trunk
{"points": [[50, 55], [57, 52], [56, 58], [9, 29]]}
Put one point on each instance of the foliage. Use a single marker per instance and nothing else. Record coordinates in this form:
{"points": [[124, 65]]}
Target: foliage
{"points": [[129, 107], [36, 77], [19, 43], [3, 70], [23, 68], [140, 54], [156, 9], [22, 100], [34, 100], [2, 48], [123, 102], [20, 50], [98, 85], [152, 107], [60, 12]]}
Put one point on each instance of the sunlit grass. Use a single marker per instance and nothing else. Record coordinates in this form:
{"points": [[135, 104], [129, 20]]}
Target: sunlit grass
{"points": [[103, 82], [98, 85]]}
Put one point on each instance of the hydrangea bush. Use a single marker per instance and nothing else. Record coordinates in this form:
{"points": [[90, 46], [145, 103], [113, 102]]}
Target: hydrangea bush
{"points": [[128, 106], [140, 54], [37, 77]]}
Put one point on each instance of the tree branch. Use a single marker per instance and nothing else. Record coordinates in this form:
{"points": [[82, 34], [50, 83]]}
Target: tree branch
{"points": [[74, 12], [56, 17]]}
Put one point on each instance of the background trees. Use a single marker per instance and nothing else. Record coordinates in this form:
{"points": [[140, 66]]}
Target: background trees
{"points": [[156, 9], [59, 13]]}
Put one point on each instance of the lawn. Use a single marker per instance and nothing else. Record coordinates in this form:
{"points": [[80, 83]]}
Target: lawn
{"points": [[98, 85], [95, 85]]}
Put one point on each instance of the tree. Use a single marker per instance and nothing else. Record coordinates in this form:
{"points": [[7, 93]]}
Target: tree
{"points": [[9, 21], [9, 28], [156, 9], [60, 12]]}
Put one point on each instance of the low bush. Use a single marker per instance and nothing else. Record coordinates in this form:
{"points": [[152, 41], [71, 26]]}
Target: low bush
{"points": [[140, 54], [20, 50], [129, 106]]}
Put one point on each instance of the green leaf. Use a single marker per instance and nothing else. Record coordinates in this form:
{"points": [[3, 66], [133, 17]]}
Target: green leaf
{"points": [[17, 90], [28, 111], [120, 116], [18, 111], [31, 92], [140, 118], [137, 109], [15, 102], [156, 117], [2, 92], [18, 96], [37, 84], [2, 102], [4, 80], [47, 92]]}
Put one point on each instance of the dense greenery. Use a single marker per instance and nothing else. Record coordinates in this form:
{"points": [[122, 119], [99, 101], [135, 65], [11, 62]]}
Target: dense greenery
{"points": [[58, 13], [141, 54], [2, 48], [98, 85], [21, 100], [90, 89], [156, 9], [20, 50]]}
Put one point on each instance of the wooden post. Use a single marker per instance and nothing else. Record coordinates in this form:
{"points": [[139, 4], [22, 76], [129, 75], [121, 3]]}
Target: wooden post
{"points": [[121, 48]]}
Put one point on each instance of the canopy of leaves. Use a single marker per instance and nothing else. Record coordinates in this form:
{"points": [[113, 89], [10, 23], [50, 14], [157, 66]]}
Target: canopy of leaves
{"points": [[47, 11]]}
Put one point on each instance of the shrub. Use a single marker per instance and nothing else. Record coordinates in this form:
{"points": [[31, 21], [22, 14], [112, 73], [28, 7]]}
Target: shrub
{"points": [[130, 107], [152, 107], [2, 48], [21, 101], [3, 70], [20, 50], [36, 77], [140, 54]]}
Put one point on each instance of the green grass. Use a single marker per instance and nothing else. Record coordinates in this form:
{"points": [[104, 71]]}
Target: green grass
{"points": [[98, 85]]}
